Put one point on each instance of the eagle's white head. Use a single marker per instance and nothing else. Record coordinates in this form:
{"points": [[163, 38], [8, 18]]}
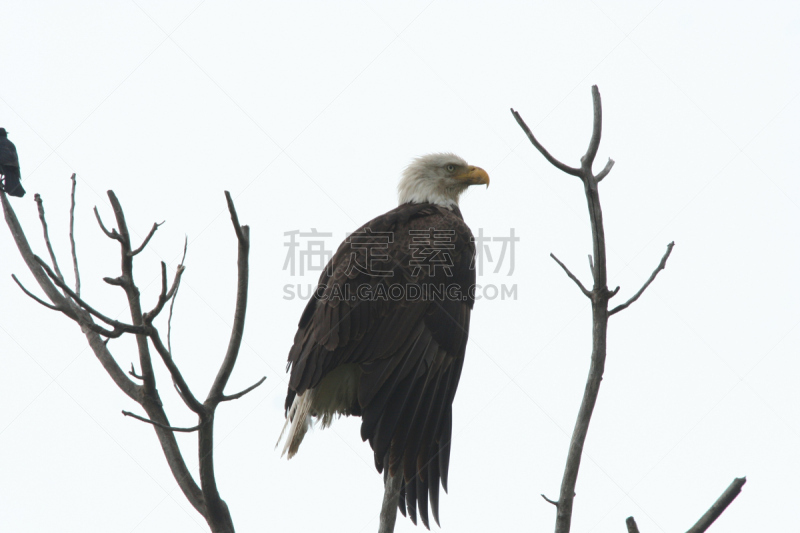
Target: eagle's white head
{"points": [[438, 179]]}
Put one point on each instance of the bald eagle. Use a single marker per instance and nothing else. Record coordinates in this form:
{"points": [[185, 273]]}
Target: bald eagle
{"points": [[384, 335]]}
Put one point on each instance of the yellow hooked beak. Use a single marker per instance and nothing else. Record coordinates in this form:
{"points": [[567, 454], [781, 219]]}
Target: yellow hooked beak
{"points": [[473, 176]]}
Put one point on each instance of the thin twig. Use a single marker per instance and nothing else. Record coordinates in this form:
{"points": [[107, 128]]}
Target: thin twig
{"points": [[224, 373], [165, 295], [27, 254], [719, 506], [242, 393], [597, 130], [660, 267], [234, 217], [175, 296], [40, 205], [177, 378], [110, 234], [117, 325], [572, 277], [631, 524], [29, 293], [162, 426], [555, 162], [133, 373], [146, 239], [603, 173], [72, 236], [548, 500]]}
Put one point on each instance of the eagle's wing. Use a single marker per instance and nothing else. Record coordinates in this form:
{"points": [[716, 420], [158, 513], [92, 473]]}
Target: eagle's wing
{"points": [[410, 350]]}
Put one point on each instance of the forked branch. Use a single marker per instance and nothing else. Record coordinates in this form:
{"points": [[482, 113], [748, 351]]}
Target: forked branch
{"points": [[243, 238], [110, 234], [205, 497], [599, 295], [553, 161]]}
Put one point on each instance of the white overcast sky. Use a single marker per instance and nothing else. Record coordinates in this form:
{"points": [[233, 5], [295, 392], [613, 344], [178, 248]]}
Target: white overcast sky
{"points": [[307, 112]]}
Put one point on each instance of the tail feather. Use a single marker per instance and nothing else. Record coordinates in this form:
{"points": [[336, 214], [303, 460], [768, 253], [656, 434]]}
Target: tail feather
{"points": [[298, 421]]}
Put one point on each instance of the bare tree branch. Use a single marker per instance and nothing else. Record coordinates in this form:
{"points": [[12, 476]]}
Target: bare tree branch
{"points": [[603, 173], [234, 217], [572, 277], [719, 506], [599, 296], [245, 391], [162, 426], [555, 162], [29, 293], [165, 295], [548, 500], [391, 493], [116, 324], [661, 265], [72, 236], [146, 239], [174, 297], [177, 378], [147, 398], [110, 234], [217, 513], [133, 373], [40, 206], [132, 294], [243, 236], [27, 255], [597, 130], [631, 525], [99, 347]]}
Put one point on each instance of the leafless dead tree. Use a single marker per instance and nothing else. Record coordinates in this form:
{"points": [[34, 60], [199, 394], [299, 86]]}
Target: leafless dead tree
{"points": [[99, 328], [600, 296]]}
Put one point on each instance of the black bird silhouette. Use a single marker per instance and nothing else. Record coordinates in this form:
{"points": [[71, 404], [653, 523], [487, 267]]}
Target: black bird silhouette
{"points": [[9, 166]]}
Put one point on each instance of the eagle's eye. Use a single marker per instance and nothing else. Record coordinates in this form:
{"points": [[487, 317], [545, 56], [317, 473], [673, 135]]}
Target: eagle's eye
{"points": [[451, 168]]}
